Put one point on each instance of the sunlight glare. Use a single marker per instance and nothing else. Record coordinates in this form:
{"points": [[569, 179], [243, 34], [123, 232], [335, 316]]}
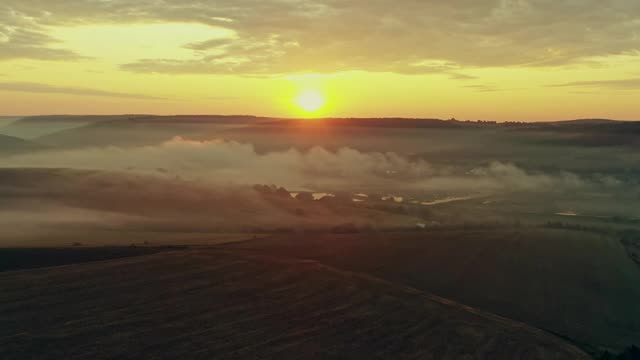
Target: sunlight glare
{"points": [[310, 101]]}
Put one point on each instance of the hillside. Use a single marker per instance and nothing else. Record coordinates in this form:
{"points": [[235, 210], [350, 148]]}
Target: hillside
{"points": [[145, 130], [269, 133], [579, 285], [13, 145], [203, 304], [32, 127], [6, 120]]}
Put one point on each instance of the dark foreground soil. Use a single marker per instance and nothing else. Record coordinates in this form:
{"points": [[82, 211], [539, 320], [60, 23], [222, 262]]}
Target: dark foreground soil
{"points": [[229, 304], [31, 258]]}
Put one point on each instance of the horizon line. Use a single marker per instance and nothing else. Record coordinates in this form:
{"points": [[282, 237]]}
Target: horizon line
{"points": [[328, 117]]}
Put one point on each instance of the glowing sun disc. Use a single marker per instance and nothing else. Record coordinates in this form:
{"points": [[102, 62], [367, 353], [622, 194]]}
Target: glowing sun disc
{"points": [[310, 101]]}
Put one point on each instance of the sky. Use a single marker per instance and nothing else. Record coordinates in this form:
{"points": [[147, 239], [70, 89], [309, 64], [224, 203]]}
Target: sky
{"points": [[522, 60]]}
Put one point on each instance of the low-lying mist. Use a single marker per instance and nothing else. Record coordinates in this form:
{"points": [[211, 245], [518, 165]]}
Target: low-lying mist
{"points": [[38, 202], [184, 185], [228, 162]]}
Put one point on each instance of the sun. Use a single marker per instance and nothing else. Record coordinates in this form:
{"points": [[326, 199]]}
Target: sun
{"points": [[310, 101]]}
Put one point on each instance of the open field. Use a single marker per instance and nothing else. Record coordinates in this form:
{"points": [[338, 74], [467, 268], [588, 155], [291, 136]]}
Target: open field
{"points": [[227, 304], [576, 284], [29, 258]]}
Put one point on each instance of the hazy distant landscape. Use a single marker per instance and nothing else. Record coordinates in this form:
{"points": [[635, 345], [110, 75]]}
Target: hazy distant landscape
{"points": [[381, 237], [319, 179]]}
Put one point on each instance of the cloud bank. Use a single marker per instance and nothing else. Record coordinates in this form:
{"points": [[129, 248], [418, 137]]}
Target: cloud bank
{"points": [[410, 37]]}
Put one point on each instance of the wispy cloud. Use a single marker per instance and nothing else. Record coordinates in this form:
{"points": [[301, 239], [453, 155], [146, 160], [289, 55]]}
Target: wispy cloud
{"points": [[483, 88], [628, 84], [21, 37], [220, 98], [460, 76], [45, 88]]}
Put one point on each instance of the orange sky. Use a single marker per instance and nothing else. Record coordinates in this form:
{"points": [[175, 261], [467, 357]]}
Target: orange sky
{"points": [[485, 59]]}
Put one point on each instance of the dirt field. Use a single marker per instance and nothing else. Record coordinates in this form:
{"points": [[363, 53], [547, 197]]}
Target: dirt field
{"points": [[31, 258], [576, 284], [230, 304]]}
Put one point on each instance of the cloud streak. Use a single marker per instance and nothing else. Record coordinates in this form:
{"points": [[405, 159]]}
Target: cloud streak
{"points": [[625, 84], [52, 89]]}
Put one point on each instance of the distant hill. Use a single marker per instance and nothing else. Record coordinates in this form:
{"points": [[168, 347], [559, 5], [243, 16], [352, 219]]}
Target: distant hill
{"points": [[575, 125], [418, 123], [32, 127], [6, 120], [585, 122], [376, 122], [146, 130], [189, 119], [590, 132], [14, 145]]}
